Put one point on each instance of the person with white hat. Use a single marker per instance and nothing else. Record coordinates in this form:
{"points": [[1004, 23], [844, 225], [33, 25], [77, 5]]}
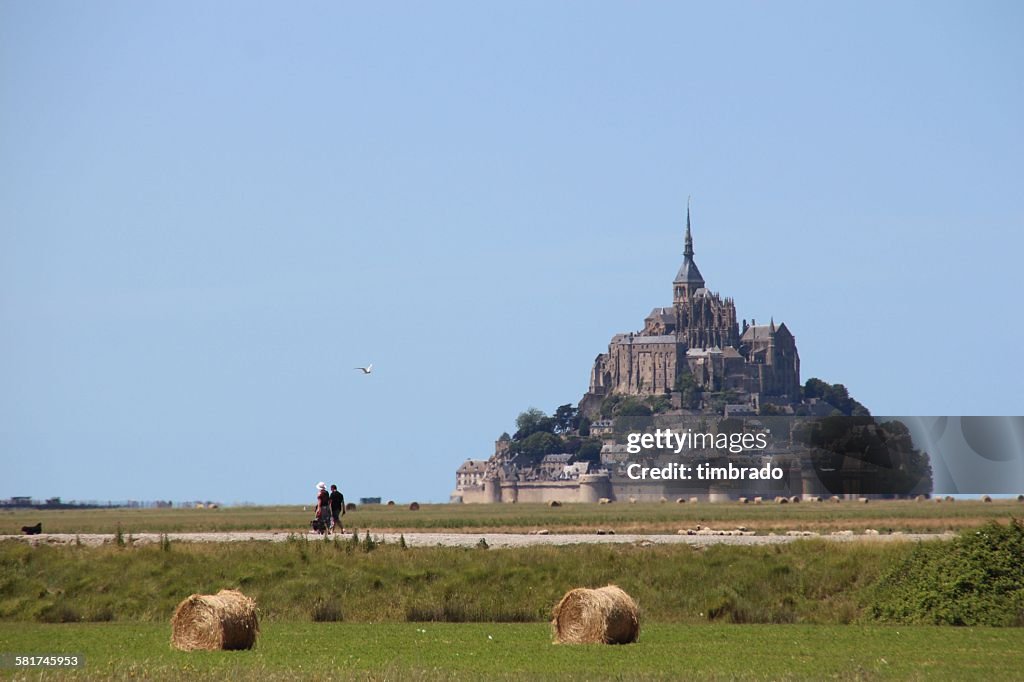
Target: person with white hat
{"points": [[323, 506]]}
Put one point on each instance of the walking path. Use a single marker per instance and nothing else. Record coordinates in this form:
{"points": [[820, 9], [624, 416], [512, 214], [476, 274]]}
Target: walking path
{"points": [[473, 539]]}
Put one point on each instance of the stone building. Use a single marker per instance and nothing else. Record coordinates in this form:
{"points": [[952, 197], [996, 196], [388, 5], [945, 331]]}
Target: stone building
{"points": [[697, 335]]}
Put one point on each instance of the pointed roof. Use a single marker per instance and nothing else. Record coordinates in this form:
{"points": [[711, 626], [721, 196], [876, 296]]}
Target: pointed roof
{"points": [[688, 272]]}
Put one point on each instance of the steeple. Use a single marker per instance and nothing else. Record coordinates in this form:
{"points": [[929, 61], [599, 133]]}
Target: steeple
{"points": [[688, 279], [688, 251]]}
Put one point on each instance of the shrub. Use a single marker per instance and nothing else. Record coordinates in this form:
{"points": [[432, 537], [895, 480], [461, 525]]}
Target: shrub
{"points": [[975, 579]]}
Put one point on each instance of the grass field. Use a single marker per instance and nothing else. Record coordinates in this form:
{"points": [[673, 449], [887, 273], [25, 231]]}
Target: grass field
{"points": [[524, 651], [802, 582], [342, 609], [897, 515]]}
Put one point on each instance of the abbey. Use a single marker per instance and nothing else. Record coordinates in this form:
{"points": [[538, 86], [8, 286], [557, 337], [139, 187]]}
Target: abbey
{"points": [[697, 342]]}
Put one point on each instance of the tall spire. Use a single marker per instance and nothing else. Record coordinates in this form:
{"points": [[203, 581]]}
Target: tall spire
{"points": [[688, 279], [688, 251]]}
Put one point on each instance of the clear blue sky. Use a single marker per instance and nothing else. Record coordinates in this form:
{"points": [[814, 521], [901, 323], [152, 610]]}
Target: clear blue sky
{"points": [[211, 212]]}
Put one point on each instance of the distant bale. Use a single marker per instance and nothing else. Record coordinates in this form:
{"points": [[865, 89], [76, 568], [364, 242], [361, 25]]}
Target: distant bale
{"points": [[604, 500], [351, 506], [632, 500], [986, 498], [781, 500], [949, 498], [835, 498], [795, 499], [693, 500], [680, 500], [938, 499], [226, 620], [862, 500], [391, 503], [554, 503], [663, 500], [919, 498], [606, 615], [744, 500], [758, 500], [1020, 498], [415, 506]]}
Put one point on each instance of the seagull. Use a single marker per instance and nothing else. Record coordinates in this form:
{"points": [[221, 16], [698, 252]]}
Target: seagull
{"points": [[365, 370]]}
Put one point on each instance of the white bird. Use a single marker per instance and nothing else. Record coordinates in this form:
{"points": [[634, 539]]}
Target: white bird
{"points": [[365, 370]]}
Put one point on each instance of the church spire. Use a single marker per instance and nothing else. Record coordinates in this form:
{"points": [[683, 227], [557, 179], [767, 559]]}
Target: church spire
{"points": [[688, 251], [688, 279]]}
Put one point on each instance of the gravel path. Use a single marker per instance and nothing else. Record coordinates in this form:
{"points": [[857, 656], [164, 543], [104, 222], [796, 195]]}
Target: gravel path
{"points": [[472, 539]]}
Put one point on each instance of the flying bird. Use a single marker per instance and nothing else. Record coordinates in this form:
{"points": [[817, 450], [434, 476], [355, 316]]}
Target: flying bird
{"points": [[365, 370]]}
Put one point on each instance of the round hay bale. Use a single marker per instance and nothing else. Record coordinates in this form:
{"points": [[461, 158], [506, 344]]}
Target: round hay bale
{"points": [[949, 498], [744, 500], [554, 503], [663, 500], [986, 498], [795, 499], [680, 500], [226, 620], [391, 503], [1020, 498], [606, 615], [632, 500], [693, 500], [604, 500], [351, 506], [415, 506], [781, 500]]}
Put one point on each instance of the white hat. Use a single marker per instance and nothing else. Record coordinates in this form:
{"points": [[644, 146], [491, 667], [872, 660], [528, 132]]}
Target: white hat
{"points": [[321, 486]]}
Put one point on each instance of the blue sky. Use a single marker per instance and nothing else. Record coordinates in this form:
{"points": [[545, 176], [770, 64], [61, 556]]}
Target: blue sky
{"points": [[211, 212]]}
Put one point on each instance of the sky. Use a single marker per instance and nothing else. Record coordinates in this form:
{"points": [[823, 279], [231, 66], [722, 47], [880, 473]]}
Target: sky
{"points": [[210, 213]]}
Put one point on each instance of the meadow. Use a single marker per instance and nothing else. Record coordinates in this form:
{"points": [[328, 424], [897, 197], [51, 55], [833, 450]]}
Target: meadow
{"points": [[885, 516], [352, 609], [445, 651]]}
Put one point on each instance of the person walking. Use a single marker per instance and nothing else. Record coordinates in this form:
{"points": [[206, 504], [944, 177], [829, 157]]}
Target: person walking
{"points": [[323, 507], [337, 508]]}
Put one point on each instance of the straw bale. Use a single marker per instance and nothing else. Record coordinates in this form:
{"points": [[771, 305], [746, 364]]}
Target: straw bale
{"points": [[226, 620], [606, 615]]}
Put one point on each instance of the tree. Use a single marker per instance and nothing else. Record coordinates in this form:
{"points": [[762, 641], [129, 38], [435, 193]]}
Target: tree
{"points": [[566, 418], [532, 421], [590, 451]]}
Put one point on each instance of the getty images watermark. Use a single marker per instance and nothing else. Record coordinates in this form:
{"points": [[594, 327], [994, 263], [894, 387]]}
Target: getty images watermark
{"points": [[667, 440]]}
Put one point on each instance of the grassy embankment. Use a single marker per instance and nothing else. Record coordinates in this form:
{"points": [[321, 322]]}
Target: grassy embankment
{"points": [[303, 580], [900, 515], [446, 651]]}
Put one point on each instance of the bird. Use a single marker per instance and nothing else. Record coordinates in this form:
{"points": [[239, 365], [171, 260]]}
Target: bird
{"points": [[365, 370]]}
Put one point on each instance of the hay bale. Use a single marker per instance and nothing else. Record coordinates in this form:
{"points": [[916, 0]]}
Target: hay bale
{"points": [[604, 500], [554, 503], [226, 620], [986, 498], [391, 503], [663, 500], [949, 498], [1020, 498], [693, 500], [758, 500], [415, 506], [744, 500], [795, 499], [680, 500], [606, 615], [862, 500], [351, 506], [632, 500]]}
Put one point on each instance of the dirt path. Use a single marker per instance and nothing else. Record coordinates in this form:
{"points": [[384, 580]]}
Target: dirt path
{"points": [[472, 539]]}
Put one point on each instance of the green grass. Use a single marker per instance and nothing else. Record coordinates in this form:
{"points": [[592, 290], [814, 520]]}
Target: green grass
{"points": [[803, 582], [524, 651], [903, 515]]}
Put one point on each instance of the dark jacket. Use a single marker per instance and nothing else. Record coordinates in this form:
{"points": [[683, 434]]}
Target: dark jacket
{"points": [[337, 501]]}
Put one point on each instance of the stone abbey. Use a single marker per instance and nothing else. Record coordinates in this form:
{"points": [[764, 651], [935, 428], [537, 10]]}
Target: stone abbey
{"points": [[698, 335]]}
